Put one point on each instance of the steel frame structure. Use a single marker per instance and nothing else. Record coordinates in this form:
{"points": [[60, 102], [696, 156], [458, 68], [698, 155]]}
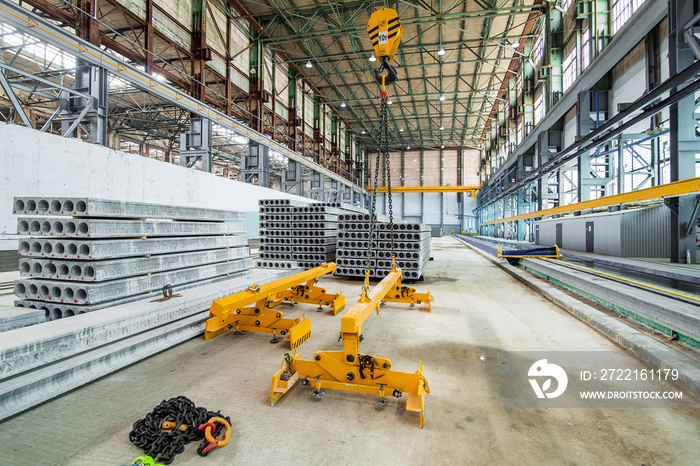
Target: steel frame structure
{"points": [[150, 86], [609, 160]]}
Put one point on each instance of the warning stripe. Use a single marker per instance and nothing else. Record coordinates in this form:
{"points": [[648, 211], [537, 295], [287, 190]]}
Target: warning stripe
{"points": [[373, 37], [395, 26], [370, 31]]}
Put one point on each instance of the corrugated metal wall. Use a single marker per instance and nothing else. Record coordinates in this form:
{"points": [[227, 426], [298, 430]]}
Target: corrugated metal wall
{"points": [[647, 233], [643, 232]]}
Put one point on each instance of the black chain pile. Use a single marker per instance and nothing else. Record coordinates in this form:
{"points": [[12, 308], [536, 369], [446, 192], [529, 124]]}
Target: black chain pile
{"points": [[148, 436]]}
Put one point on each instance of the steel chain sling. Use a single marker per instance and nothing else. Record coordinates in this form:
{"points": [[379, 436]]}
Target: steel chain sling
{"points": [[382, 123], [387, 173]]}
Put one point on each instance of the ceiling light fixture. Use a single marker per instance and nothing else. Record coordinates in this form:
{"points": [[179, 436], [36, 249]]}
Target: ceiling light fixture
{"points": [[389, 102], [515, 44], [441, 51], [408, 147], [442, 146], [401, 130], [442, 97], [308, 64], [372, 58], [342, 105], [363, 131], [441, 127]]}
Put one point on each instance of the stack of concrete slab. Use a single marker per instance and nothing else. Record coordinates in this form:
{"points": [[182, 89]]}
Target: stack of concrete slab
{"points": [[43, 361], [84, 254], [411, 247], [299, 234]]}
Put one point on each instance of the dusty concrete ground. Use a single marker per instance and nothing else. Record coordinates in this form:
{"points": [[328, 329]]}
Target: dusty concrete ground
{"points": [[478, 310]]}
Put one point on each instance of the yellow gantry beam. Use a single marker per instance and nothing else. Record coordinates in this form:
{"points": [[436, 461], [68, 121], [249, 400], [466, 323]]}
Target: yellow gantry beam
{"points": [[677, 188], [349, 370], [426, 189]]}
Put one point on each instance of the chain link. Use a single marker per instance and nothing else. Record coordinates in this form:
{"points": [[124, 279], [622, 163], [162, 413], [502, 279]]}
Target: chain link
{"points": [[148, 434], [387, 171], [382, 125]]}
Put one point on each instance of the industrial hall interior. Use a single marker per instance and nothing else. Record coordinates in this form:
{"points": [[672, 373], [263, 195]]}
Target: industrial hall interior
{"points": [[391, 232]]}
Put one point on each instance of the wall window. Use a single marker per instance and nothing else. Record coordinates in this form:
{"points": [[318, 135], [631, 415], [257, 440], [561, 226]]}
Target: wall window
{"points": [[537, 49], [539, 108], [622, 10], [585, 49], [569, 69], [519, 84], [520, 133]]}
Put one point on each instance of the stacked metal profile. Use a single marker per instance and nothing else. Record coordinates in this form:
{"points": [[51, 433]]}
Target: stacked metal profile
{"points": [[83, 254], [297, 233], [411, 247]]}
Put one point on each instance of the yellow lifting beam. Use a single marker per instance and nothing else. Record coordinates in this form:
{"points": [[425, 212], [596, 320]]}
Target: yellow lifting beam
{"points": [[252, 310], [352, 371]]}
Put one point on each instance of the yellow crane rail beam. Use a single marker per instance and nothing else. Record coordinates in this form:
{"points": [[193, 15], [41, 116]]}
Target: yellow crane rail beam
{"points": [[676, 188], [349, 370], [252, 309], [426, 189]]}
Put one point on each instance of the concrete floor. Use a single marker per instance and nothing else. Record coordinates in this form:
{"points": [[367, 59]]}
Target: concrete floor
{"points": [[478, 310]]}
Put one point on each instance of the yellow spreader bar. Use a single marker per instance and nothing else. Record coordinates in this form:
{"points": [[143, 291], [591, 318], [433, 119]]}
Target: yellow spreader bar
{"points": [[252, 309], [352, 371], [664, 290]]}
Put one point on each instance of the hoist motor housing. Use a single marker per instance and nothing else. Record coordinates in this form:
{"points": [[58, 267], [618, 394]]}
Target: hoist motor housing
{"points": [[385, 31]]}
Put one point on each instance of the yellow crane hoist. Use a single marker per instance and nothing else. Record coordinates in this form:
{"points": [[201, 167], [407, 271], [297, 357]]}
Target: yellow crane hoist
{"points": [[252, 309], [385, 31], [352, 371]]}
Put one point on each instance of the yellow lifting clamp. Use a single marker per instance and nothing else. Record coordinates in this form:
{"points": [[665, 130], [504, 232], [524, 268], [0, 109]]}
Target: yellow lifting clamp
{"points": [[385, 31], [350, 370], [231, 313]]}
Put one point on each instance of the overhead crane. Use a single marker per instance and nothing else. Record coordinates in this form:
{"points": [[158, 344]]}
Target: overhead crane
{"points": [[472, 190], [349, 370]]}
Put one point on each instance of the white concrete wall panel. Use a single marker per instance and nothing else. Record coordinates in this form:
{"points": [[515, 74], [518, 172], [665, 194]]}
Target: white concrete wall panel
{"points": [[432, 208], [413, 205], [39, 164]]}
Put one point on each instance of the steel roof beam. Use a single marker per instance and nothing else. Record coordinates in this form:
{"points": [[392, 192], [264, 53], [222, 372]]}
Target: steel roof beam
{"points": [[34, 25]]}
